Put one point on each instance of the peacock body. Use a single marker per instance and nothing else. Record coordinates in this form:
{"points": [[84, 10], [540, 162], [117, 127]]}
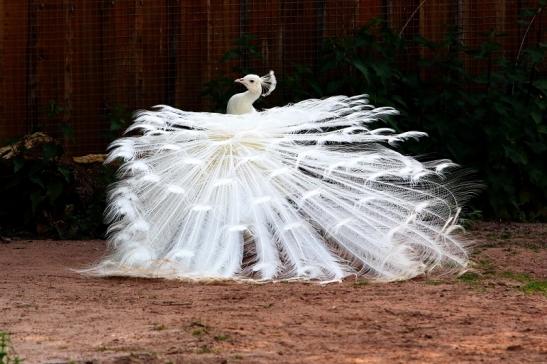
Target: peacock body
{"points": [[305, 191]]}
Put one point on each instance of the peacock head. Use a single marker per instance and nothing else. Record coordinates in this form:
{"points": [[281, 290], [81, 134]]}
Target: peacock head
{"points": [[259, 85]]}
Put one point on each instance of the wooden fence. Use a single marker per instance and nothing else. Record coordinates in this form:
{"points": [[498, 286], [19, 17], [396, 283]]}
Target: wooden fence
{"points": [[78, 61]]}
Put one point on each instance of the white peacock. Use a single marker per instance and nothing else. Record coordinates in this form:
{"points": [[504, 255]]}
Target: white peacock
{"points": [[307, 191]]}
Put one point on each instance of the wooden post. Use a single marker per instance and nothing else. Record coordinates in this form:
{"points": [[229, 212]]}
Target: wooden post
{"points": [[14, 119], [192, 58], [173, 34], [138, 54], [69, 8], [3, 115], [365, 11], [403, 16], [31, 66], [86, 69]]}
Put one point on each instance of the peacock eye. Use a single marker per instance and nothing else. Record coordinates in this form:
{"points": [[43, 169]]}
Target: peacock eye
{"points": [[252, 81]]}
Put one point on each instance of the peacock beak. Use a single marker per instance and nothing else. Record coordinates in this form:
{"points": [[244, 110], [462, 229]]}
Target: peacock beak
{"points": [[239, 80]]}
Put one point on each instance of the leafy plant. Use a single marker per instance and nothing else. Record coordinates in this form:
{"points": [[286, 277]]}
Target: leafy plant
{"points": [[7, 354], [35, 178], [44, 192], [490, 117], [529, 284], [118, 118]]}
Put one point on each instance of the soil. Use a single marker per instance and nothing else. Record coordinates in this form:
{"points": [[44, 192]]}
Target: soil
{"points": [[494, 313]]}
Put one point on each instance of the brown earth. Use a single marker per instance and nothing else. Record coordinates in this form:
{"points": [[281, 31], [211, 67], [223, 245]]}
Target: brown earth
{"points": [[495, 313]]}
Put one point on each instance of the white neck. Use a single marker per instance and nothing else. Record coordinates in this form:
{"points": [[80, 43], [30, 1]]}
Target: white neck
{"points": [[251, 96], [242, 103]]}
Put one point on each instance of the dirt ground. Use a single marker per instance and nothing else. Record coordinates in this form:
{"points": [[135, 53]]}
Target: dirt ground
{"points": [[495, 313]]}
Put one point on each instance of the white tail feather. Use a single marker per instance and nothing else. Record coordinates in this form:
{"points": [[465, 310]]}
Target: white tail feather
{"points": [[305, 191]]}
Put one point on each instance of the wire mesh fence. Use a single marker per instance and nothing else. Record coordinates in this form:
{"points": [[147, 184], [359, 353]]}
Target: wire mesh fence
{"points": [[86, 64]]}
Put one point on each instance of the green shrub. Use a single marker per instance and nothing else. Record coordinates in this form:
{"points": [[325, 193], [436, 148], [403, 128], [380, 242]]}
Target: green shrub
{"points": [[44, 192], [7, 355], [490, 118], [492, 121]]}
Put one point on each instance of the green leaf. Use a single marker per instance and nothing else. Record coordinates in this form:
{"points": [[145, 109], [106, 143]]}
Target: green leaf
{"points": [[66, 172], [68, 131], [357, 63], [36, 198], [537, 117], [18, 164], [51, 151], [54, 190], [36, 179], [541, 85], [535, 55]]}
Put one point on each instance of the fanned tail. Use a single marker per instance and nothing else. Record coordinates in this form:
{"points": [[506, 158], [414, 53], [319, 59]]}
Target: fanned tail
{"points": [[306, 191]]}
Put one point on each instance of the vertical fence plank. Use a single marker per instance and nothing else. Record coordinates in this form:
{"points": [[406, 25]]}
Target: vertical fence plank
{"points": [[403, 16], [138, 51], [365, 11], [154, 68], [31, 69], [68, 68], [479, 19], [3, 106], [173, 36], [537, 32], [510, 27], [300, 43], [264, 22], [435, 18], [224, 29], [87, 64], [192, 54], [339, 18], [275, 52], [46, 70], [14, 63], [68, 86], [119, 53]]}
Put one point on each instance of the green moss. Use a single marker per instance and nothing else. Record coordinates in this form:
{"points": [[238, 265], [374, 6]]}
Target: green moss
{"points": [[530, 284], [204, 349], [535, 287], [7, 354], [469, 277], [222, 337]]}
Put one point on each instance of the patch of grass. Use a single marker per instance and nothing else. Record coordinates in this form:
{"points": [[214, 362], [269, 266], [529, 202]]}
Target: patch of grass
{"points": [[535, 287], [486, 266], [222, 337], [469, 219], [7, 354], [159, 327], [521, 277], [530, 284], [198, 329], [204, 349], [469, 277]]}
